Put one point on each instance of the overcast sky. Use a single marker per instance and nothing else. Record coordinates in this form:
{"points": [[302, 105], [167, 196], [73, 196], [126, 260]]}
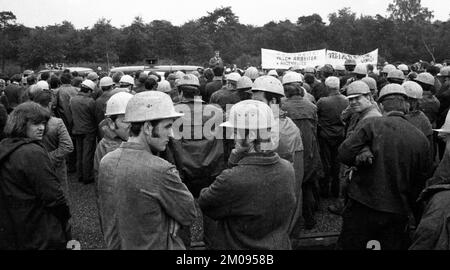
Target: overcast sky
{"points": [[84, 13]]}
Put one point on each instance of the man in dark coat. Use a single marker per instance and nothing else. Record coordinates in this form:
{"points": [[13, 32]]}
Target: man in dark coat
{"points": [[385, 186]]}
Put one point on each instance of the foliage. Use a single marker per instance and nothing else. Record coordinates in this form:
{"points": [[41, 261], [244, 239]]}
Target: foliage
{"points": [[407, 34]]}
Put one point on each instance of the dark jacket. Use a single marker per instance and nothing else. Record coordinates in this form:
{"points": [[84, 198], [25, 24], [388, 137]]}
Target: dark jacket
{"points": [[3, 119], [82, 109], [14, 93], [212, 87], [63, 96], [252, 204], [329, 111], [224, 97], [33, 209], [429, 104], [198, 159], [400, 167]]}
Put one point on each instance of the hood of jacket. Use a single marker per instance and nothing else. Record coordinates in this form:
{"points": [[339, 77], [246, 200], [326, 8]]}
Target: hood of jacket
{"points": [[9, 145]]}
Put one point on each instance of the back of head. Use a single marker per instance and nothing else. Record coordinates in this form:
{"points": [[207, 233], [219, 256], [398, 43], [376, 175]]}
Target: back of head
{"points": [[150, 84], [66, 78], [45, 76], [309, 78], [117, 76], [218, 71], [55, 82], [31, 79], [42, 98]]}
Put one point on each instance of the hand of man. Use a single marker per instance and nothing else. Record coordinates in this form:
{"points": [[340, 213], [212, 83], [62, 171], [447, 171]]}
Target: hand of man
{"points": [[174, 227], [364, 158]]}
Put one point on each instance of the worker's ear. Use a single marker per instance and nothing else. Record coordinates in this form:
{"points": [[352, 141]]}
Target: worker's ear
{"points": [[147, 128]]}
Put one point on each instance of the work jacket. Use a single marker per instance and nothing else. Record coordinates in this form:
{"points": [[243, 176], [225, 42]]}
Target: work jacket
{"points": [[252, 204], [329, 111], [141, 196]]}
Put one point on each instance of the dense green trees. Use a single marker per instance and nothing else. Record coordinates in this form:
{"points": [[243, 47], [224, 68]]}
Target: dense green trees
{"points": [[407, 34]]}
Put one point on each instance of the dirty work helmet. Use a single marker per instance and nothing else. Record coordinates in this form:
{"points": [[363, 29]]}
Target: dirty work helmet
{"points": [[357, 88], [291, 77], [413, 89], [388, 68], [391, 89], [244, 83], [43, 85], [89, 84], [179, 74], [92, 76], [127, 79], [370, 82], [234, 76], [360, 69], [106, 81], [164, 86], [396, 74], [273, 72], [252, 73], [332, 82], [425, 78], [403, 67], [117, 103], [188, 79], [445, 72], [269, 84], [148, 106], [350, 62], [250, 114], [310, 70]]}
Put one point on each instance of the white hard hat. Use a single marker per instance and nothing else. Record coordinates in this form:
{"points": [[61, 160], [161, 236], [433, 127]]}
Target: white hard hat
{"points": [[234, 76], [150, 105], [268, 84], [291, 77], [357, 88], [164, 86], [250, 114], [127, 79], [413, 89], [425, 78], [444, 72], [117, 103], [252, 73], [396, 74], [106, 81], [310, 70], [391, 89], [339, 68], [388, 68], [403, 67], [188, 79], [332, 82], [370, 82], [92, 76], [179, 74], [244, 83], [273, 72], [360, 69], [43, 85], [89, 84], [446, 126]]}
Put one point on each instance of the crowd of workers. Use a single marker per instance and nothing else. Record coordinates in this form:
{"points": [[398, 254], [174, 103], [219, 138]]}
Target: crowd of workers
{"points": [[253, 151]]}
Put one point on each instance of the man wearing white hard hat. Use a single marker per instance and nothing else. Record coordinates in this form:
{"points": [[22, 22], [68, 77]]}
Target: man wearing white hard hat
{"points": [[430, 234], [253, 202], [84, 129], [148, 198], [127, 82], [287, 142], [227, 95], [115, 132], [382, 193], [331, 133]]}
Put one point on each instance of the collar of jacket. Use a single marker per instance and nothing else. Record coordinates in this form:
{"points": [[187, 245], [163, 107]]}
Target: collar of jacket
{"points": [[395, 114], [135, 146], [267, 158]]}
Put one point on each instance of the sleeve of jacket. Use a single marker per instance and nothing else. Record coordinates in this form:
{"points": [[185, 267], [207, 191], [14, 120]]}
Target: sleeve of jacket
{"points": [[353, 145], [65, 145], [47, 186], [175, 197], [216, 201]]}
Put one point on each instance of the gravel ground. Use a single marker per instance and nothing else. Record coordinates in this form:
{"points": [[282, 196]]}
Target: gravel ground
{"points": [[86, 227]]}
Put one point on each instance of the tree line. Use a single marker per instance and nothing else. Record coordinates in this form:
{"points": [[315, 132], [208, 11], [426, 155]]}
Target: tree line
{"points": [[406, 35]]}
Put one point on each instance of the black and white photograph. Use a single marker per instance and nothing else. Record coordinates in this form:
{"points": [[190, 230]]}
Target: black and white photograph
{"points": [[223, 126]]}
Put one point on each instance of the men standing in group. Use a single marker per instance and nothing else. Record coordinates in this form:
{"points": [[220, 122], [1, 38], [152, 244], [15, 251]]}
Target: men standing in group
{"points": [[383, 190], [150, 200]]}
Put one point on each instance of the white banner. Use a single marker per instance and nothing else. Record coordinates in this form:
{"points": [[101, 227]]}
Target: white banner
{"points": [[337, 58], [271, 59]]}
